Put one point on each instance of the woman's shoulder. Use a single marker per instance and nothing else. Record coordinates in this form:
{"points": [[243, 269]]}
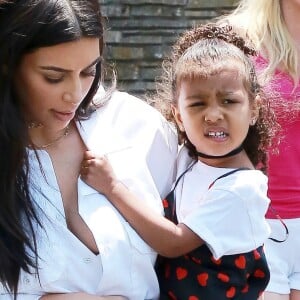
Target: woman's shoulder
{"points": [[129, 117], [123, 102]]}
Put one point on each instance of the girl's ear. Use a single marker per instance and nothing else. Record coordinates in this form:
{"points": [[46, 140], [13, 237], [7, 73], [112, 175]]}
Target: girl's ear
{"points": [[177, 117], [255, 110]]}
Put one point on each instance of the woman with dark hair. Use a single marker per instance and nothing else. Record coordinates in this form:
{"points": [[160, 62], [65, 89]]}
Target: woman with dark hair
{"points": [[59, 238]]}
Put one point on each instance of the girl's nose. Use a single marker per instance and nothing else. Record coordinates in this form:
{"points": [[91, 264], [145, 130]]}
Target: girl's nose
{"points": [[213, 114]]}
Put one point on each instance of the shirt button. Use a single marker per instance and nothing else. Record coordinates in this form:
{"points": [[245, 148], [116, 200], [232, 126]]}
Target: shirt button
{"points": [[26, 280], [87, 260], [58, 218]]}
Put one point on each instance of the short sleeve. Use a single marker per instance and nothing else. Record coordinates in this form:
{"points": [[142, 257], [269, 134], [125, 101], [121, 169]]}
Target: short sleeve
{"points": [[232, 220]]}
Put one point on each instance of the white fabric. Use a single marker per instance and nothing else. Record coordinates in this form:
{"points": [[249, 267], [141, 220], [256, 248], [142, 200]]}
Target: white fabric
{"points": [[283, 258], [142, 148], [229, 216]]}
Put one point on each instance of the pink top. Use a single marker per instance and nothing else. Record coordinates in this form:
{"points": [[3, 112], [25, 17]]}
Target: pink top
{"points": [[284, 168]]}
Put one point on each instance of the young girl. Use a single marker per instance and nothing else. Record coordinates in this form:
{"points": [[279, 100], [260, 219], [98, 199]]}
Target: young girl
{"points": [[214, 242]]}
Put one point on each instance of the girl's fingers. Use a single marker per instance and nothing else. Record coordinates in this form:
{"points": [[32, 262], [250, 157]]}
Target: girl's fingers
{"points": [[88, 155]]}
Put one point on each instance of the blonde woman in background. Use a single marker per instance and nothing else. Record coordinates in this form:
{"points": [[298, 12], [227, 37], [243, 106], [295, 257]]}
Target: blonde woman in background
{"points": [[274, 27]]}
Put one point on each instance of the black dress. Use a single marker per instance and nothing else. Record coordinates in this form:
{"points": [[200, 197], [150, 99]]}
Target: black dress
{"points": [[198, 276]]}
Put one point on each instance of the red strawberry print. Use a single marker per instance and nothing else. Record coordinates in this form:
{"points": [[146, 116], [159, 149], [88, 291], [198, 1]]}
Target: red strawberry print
{"points": [[259, 274], [245, 289], [181, 273], [216, 261], [256, 254], [165, 203], [223, 277], [240, 262], [202, 279], [230, 292]]}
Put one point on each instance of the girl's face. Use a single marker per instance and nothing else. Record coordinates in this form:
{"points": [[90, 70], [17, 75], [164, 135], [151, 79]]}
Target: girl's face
{"points": [[215, 112], [51, 82]]}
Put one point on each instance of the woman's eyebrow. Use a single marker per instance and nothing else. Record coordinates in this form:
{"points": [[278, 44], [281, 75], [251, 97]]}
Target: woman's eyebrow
{"points": [[96, 61], [62, 70]]}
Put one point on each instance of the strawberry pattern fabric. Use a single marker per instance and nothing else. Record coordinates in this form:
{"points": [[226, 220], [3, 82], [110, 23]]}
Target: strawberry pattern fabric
{"points": [[199, 276]]}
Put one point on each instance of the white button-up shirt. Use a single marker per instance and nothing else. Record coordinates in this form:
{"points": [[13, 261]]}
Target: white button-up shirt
{"points": [[142, 148]]}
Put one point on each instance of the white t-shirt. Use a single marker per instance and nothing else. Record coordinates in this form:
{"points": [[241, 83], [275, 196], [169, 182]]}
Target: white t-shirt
{"points": [[229, 216], [142, 148]]}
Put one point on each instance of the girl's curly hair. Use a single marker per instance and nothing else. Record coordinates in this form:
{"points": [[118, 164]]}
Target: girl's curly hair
{"points": [[202, 52]]}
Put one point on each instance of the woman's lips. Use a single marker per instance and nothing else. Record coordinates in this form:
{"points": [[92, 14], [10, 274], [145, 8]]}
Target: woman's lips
{"points": [[63, 116]]}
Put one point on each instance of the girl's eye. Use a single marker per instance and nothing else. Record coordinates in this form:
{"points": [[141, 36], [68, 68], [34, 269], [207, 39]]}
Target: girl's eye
{"points": [[196, 104], [228, 101]]}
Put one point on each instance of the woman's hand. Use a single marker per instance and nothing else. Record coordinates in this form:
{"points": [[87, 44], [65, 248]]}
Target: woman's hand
{"points": [[80, 296]]}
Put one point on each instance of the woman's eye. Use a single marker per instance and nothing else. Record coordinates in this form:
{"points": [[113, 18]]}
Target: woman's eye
{"points": [[88, 73], [53, 79]]}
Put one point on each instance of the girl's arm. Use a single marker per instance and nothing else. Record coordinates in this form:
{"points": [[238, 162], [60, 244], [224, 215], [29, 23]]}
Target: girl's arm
{"points": [[79, 296], [162, 235]]}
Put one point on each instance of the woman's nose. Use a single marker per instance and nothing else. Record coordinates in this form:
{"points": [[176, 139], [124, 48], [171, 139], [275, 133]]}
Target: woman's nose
{"points": [[74, 94]]}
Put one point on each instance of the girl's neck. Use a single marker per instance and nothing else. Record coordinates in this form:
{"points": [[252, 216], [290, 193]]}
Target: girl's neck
{"points": [[231, 153], [239, 160]]}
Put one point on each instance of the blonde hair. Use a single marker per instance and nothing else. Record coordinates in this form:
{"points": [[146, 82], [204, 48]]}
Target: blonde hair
{"points": [[262, 21]]}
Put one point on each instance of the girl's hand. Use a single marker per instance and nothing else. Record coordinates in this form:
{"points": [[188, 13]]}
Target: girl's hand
{"points": [[97, 172]]}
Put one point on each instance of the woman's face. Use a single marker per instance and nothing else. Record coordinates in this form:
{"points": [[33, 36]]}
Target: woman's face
{"points": [[51, 82]]}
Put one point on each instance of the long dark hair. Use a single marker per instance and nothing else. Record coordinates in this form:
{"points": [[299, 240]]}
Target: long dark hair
{"points": [[26, 25]]}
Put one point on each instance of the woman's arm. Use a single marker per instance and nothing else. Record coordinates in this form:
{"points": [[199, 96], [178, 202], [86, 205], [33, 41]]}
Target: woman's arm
{"points": [[80, 296], [162, 235]]}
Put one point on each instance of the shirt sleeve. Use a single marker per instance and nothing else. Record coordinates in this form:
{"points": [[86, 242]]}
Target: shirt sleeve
{"points": [[231, 221]]}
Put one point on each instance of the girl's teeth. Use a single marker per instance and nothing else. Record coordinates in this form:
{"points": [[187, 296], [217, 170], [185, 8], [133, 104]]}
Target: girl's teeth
{"points": [[216, 134]]}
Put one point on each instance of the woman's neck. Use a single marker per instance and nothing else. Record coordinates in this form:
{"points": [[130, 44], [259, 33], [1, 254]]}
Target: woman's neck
{"points": [[43, 138]]}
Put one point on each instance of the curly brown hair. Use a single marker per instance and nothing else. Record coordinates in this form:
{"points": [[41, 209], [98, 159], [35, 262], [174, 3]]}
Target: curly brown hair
{"points": [[202, 52]]}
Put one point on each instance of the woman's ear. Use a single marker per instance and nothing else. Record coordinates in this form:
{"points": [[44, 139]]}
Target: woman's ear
{"points": [[255, 110], [177, 117]]}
